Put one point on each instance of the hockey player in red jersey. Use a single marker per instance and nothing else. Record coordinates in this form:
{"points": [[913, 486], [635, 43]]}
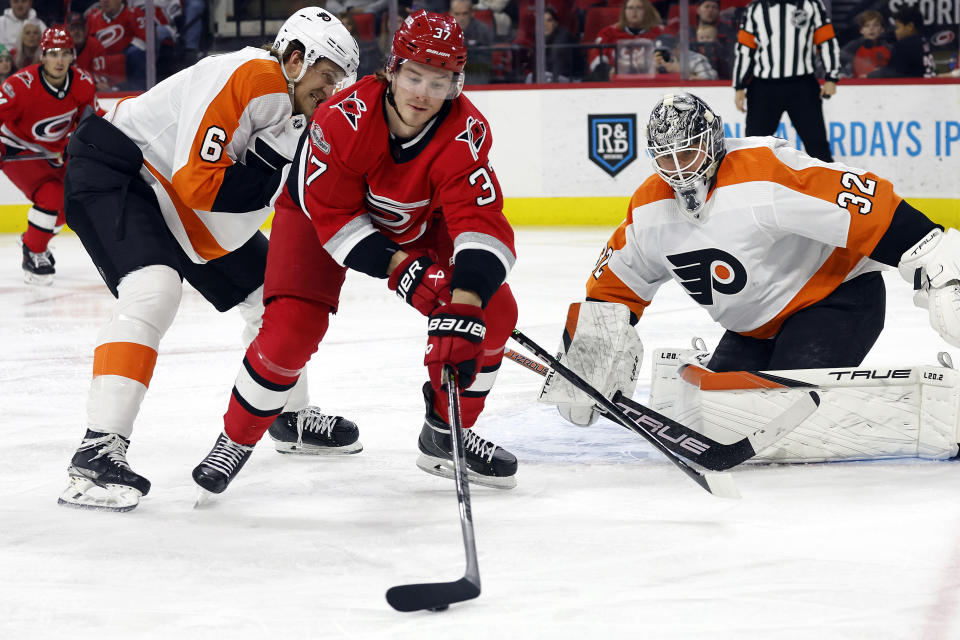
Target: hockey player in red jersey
{"points": [[120, 29], [174, 184], [39, 107], [392, 180]]}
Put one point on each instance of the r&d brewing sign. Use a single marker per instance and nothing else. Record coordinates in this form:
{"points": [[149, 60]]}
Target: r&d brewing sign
{"points": [[613, 141]]}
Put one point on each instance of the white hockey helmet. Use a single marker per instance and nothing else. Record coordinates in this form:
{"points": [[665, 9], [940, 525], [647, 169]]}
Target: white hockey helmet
{"points": [[323, 36], [685, 142]]}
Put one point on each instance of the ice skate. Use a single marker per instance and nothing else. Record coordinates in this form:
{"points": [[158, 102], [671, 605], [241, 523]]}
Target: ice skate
{"points": [[311, 432], [100, 477], [221, 465], [487, 463], [37, 267]]}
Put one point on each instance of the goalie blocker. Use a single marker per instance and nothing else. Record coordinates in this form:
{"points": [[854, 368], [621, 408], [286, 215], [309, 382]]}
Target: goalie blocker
{"points": [[865, 413], [601, 346]]}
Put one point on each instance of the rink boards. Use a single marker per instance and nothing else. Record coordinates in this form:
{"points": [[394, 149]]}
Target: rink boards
{"points": [[573, 156]]}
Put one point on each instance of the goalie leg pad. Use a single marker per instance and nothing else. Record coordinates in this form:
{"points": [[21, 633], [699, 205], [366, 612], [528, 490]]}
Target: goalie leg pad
{"points": [[601, 346], [915, 414]]}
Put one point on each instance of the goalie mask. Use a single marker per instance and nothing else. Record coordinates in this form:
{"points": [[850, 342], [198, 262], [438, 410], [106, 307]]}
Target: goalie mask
{"points": [[685, 142], [322, 36]]}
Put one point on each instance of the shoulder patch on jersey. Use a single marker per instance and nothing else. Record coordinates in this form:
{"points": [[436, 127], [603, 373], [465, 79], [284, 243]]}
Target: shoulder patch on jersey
{"points": [[352, 109], [316, 137], [25, 77], [704, 271], [474, 135], [8, 89]]}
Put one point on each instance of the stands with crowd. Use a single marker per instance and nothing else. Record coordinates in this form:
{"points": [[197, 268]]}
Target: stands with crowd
{"points": [[586, 40]]}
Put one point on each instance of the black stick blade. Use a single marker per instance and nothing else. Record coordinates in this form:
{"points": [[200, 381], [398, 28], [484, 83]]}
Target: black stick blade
{"points": [[431, 595]]}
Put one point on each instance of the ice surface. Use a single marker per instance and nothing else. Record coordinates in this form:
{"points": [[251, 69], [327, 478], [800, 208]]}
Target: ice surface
{"points": [[602, 537]]}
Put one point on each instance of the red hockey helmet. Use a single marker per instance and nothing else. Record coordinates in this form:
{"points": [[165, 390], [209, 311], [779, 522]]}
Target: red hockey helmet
{"points": [[433, 39], [56, 38]]}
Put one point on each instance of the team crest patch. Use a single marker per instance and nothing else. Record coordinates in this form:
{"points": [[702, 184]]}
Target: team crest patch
{"points": [[316, 137], [704, 271], [612, 141], [352, 109], [474, 135], [7, 89]]}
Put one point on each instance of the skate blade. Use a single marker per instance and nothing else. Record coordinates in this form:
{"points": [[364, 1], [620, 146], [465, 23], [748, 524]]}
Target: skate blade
{"points": [[315, 450], [45, 280], [203, 498], [84, 493], [444, 468]]}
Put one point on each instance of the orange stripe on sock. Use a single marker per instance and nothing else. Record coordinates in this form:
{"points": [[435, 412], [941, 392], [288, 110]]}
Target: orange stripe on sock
{"points": [[127, 359]]}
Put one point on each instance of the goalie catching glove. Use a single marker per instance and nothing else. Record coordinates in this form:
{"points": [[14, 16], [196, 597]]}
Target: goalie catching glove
{"points": [[932, 266], [600, 345], [420, 282], [455, 337]]}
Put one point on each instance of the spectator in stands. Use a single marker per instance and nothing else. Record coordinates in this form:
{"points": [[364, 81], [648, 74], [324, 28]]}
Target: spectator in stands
{"points": [[705, 43], [479, 40], [193, 11], [90, 53], [867, 53], [371, 59], [560, 64], [911, 56], [638, 19], [502, 24], [122, 35], [27, 51], [708, 13], [21, 12], [666, 59], [6, 63]]}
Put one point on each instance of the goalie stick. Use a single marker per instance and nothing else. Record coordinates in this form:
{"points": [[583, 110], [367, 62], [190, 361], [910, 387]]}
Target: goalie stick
{"points": [[437, 596], [718, 484], [691, 444]]}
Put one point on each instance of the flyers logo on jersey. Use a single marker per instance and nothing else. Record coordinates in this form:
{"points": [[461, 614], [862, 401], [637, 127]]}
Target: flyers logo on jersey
{"points": [[704, 271], [352, 109], [474, 135], [53, 128]]}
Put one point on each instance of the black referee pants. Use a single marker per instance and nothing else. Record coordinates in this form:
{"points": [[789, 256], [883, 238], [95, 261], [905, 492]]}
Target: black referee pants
{"points": [[800, 98]]}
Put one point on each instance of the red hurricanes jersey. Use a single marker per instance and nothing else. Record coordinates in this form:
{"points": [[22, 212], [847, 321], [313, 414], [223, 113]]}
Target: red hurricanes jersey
{"points": [[354, 181], [118, 32], [39, 117], [91, 59]]}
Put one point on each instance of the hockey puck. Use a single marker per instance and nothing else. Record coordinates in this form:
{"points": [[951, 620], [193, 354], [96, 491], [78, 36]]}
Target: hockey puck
{"points": [[442, 607]]}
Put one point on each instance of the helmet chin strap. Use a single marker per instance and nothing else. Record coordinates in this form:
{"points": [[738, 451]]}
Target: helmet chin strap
{"points": [[393, 103], [292, 82]]}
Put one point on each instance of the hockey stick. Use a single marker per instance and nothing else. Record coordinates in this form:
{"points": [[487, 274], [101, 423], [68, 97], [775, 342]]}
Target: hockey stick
{"points": [[691, 444], [719, 484], [437, 596], [20, 157]]}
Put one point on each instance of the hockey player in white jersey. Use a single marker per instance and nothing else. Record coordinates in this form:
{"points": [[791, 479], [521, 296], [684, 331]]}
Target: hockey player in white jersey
{"points": [[785, 252], [174, 184]]}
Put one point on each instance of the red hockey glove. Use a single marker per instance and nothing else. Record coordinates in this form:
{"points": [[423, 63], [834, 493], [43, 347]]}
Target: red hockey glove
{"points": [[454, 336], [420, 282]]}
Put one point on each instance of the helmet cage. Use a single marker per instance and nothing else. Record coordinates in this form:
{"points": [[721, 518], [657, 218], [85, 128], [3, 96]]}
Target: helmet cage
{"points": [[685, 144]]}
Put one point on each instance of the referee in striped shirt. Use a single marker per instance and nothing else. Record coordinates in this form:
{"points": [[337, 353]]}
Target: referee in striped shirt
{"points": [[773, 69]]}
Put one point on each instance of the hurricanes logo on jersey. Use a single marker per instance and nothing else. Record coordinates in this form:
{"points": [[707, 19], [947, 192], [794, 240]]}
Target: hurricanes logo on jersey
{"points": [[110, 35], [474, 135], [704, 271], [352, 109], [54, 128]]}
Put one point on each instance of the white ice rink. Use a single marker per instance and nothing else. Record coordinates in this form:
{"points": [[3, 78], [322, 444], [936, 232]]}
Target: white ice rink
{"points": [[601, 539]]}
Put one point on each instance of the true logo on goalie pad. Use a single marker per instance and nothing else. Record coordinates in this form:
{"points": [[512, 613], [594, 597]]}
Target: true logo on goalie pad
{"points": [[704, 271]]}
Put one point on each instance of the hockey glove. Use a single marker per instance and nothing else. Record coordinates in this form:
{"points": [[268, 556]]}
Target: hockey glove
{"points": [[420, 282], [454, 336]]}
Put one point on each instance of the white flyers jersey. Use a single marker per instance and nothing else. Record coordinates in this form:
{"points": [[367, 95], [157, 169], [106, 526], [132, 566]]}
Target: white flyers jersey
{"points": [[782, 231], [197, 124]]}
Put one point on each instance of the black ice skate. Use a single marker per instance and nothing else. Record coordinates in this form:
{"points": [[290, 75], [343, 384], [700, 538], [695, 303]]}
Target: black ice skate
{"points": [[309, 431], [221, 465], [100, 477], [487, 464], [38, 267]]}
